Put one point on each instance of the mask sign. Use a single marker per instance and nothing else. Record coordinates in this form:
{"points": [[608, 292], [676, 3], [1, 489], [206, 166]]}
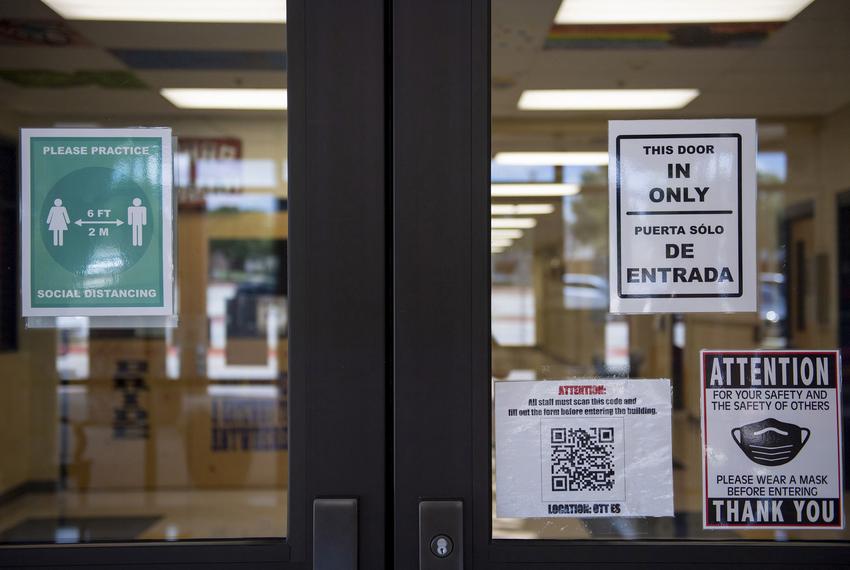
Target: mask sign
{"points": [[583, 448], [682, 215], [771, 434]]}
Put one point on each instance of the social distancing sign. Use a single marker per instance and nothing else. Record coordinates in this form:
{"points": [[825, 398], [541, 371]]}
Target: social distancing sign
{"points": [[583, 448], [771, 432], [682, 215], [96, 231]]}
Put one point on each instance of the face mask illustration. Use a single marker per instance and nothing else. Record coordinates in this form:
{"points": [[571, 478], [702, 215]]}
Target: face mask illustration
{"points": [[771, 442]]}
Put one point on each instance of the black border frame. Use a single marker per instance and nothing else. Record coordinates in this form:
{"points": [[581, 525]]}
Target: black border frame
{"points": [[429, 368], [740, 292]]}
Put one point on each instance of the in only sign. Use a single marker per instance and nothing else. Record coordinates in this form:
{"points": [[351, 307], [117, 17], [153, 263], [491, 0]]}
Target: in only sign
{"points": [[682, 215]]}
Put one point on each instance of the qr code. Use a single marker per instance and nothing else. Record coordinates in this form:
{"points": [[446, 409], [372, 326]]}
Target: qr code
{"points": [[581, 459]]}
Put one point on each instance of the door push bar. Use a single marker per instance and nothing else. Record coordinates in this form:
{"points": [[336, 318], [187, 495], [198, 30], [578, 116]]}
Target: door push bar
{"points": [[335, 534]]}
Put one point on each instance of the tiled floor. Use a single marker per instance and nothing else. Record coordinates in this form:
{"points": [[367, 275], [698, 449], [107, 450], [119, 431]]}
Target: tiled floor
{"points": [[170, 515], [72, 530]]}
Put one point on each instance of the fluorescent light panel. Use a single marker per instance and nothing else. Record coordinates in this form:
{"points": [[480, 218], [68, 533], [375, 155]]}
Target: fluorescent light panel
{"points": [[242, 99], [677, 11], [533, 190], [604, 99], [552, 158], [505, 234], [512, 223], [227, 11], [500, 242], [496, 250], [521, 209]]}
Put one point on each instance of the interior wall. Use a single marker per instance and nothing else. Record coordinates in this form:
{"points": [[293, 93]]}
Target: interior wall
{"points": [[39, 348], [14, 420], [835, 167], [9, 124]]}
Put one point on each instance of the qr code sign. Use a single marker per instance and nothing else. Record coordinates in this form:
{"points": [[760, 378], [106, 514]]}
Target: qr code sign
{"points": [[583, 457]]}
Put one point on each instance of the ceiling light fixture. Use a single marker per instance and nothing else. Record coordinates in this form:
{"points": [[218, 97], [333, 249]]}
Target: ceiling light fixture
{"points": [[604, 99], [505, 234], [533, 190], [500, 242], [521, 209], [677, 11], [241, 99], [209, 11], [512, 223], [552, 158]]}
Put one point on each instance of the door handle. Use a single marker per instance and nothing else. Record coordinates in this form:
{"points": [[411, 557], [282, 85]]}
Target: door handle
{"points": [[335, 534], [441, 535]]}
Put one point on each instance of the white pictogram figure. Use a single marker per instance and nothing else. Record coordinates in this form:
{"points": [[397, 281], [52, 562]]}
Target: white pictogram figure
{"points": [[57, 222], [137, 216]]}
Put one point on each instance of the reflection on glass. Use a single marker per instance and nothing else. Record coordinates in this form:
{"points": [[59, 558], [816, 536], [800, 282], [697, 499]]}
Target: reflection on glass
{"points": [[549, 280], [246, 308], [72, 348], [153, 434]]}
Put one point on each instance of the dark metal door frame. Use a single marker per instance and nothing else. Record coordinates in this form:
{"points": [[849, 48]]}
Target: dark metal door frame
{"points": [[441, 262], [427, 434], [338, 320], [441, 384]]}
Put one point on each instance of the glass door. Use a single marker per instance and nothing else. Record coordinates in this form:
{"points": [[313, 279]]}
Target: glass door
{"points": [[215, 438], [503, 277], [366, 252]]}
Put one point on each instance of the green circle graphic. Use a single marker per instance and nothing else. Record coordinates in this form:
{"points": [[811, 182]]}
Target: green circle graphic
{"points": [[92, 243]]}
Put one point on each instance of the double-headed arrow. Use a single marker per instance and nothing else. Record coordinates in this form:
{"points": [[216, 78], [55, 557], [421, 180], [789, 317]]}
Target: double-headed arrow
{"points": [[116, 222]]}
